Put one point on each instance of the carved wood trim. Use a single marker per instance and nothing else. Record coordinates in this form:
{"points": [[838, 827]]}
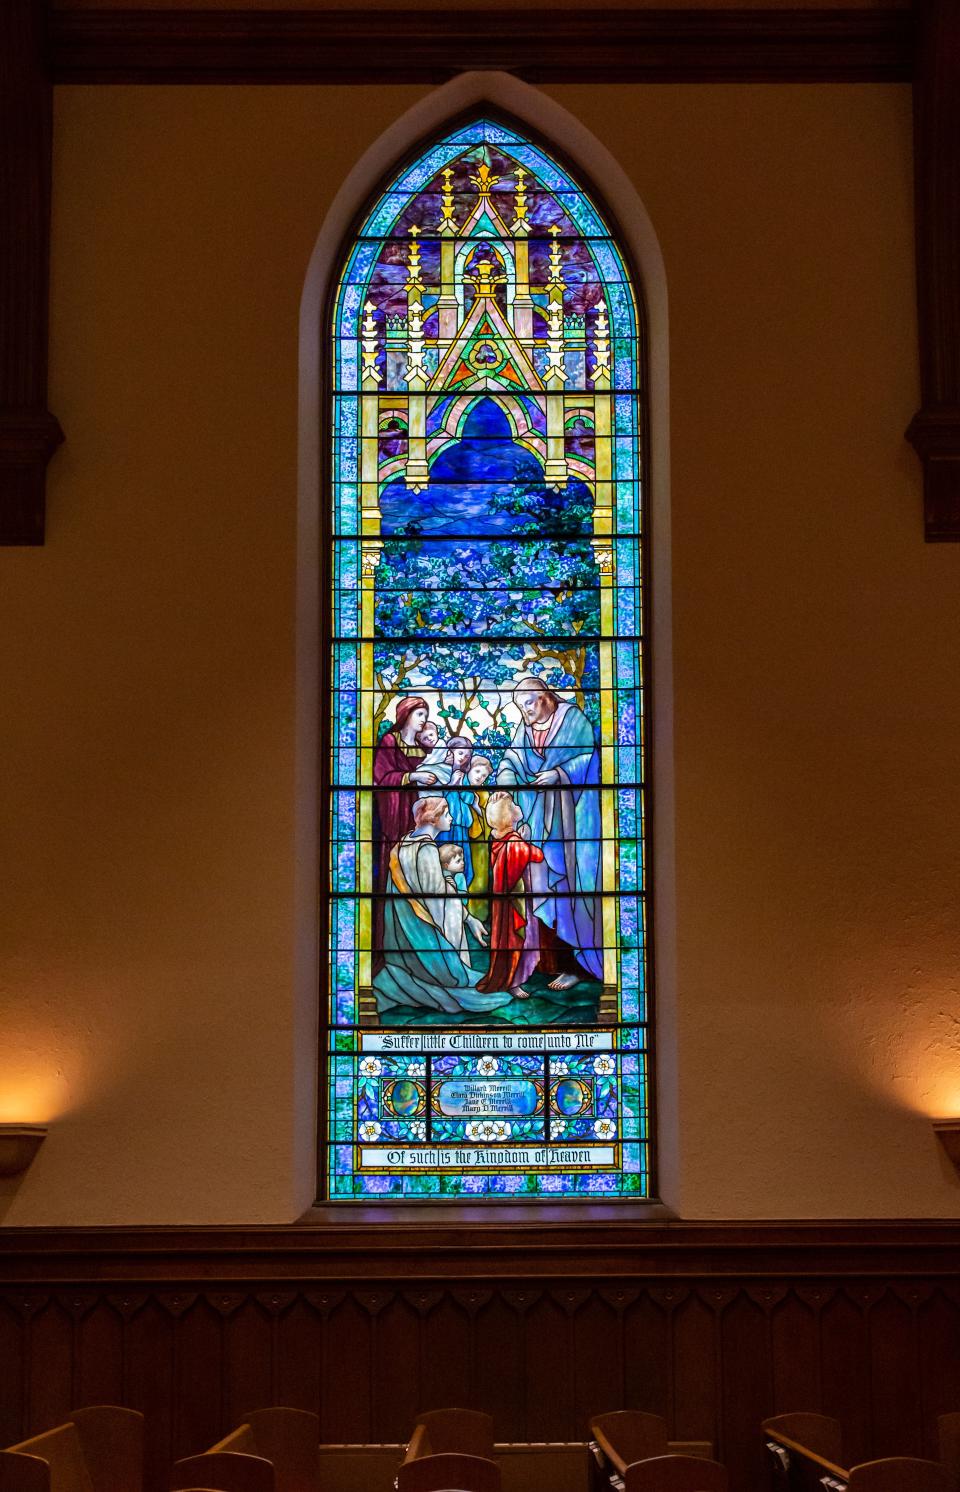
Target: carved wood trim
{"points": [[935, 430], [428, 46], [28, 432], [350, 1243]]}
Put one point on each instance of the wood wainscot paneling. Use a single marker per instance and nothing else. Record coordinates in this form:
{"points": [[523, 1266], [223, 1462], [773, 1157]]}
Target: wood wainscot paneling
{"points": [[542, 1323]]}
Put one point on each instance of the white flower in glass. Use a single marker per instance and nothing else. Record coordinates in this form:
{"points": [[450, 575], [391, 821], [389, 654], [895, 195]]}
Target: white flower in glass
{"points": [[370, 1130], [371, 1067], [558, 1129], [473, 1129], [558, 1065], [416, 1069], [487, 1066], [501, 1129], [418, 1129], [604, 1129], [603, 1064]]}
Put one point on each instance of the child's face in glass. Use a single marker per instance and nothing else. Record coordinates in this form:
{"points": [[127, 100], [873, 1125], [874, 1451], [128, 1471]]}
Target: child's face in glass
{"points": [[455, 864], [478, 773], [461, 757], [429, 735]]}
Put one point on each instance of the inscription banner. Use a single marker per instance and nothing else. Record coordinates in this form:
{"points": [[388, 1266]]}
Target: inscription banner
{"points": [[486, 1041], [501, 1158]]}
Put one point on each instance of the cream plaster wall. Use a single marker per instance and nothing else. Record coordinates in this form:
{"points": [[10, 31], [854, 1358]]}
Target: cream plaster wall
{"points": [[154, 945]]}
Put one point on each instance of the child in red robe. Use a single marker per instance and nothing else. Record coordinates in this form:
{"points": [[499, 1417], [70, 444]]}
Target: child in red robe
{"points": [[514, 930]]}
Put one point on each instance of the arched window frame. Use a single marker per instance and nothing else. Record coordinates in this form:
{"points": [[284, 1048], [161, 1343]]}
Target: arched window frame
{"points": [[589, 164]]}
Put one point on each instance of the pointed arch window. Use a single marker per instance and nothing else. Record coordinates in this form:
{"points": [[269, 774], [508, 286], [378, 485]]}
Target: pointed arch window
{"points": [[486, 999]]}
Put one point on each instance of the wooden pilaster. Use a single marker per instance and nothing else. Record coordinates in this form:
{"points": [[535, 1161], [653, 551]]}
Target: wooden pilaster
{"points": [[934, 431], [28, 432]]}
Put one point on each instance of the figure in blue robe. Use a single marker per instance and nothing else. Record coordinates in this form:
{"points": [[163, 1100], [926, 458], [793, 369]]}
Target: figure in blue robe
{"points": [[554, 761]]}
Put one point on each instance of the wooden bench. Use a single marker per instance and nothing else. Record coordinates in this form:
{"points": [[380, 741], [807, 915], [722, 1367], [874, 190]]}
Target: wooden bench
{"points": [[806, 1452], [807, 1456], [675, 1474], [899, 1474], [465, 1431], [274, 1450], [449, 1471], [99, 1449], [450, 1450], [625, 1436]]}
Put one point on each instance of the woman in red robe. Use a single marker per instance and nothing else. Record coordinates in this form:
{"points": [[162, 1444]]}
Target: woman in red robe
{"points": [[397, 776], [514, 930]]}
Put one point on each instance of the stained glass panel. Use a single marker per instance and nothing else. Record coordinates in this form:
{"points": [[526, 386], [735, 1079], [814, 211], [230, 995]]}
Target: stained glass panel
{"points": [[486, 1015]]}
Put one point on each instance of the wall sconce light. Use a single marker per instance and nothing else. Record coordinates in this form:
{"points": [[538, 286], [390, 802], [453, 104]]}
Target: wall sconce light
{"points": [[947, 1132], [19, 1143]]}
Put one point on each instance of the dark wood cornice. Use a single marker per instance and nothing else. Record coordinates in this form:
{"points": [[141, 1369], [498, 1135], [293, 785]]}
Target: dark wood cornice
{"points": [[428, 46], [353, 1249], [935, 429], [28, 432]]}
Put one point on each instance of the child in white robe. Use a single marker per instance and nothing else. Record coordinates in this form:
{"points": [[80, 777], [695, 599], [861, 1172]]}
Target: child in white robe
{"points": [[456, 918]]}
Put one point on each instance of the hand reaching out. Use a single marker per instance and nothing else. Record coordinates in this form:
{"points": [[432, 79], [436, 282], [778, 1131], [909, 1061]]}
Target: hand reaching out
{"points": [[549, 777], [479, 931]]}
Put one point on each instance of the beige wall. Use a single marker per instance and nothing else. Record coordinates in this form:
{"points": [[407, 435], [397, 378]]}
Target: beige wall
{"points": [[154, 1002]]}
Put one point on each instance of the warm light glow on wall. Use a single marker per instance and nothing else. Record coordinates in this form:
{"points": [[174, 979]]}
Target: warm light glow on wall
{"points": [[937, 1092], [913, 1057], [32, 1100]]}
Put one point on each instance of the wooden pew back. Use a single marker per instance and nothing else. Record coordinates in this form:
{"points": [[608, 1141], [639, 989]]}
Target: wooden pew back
{"points": [[274, 1450], [23, 1473], [628, 1435], [228, 1467], [59, 1451], [805, 1449], [948, 1429], [899, 1474], [112, 1442], [466, 1432], [290, 1440], [449, 1471], [100, 1449], [817, 1433], [675, 1474]]}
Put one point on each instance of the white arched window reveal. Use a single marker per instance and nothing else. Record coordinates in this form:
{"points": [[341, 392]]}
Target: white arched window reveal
{"points": [[487, 993]]}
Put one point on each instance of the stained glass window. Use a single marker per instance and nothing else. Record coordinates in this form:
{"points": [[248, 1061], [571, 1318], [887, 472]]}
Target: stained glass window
{"points": [[486, 998]]}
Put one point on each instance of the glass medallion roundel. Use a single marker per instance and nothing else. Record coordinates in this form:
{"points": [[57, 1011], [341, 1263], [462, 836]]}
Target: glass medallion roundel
{"points": [[487, 953]]}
